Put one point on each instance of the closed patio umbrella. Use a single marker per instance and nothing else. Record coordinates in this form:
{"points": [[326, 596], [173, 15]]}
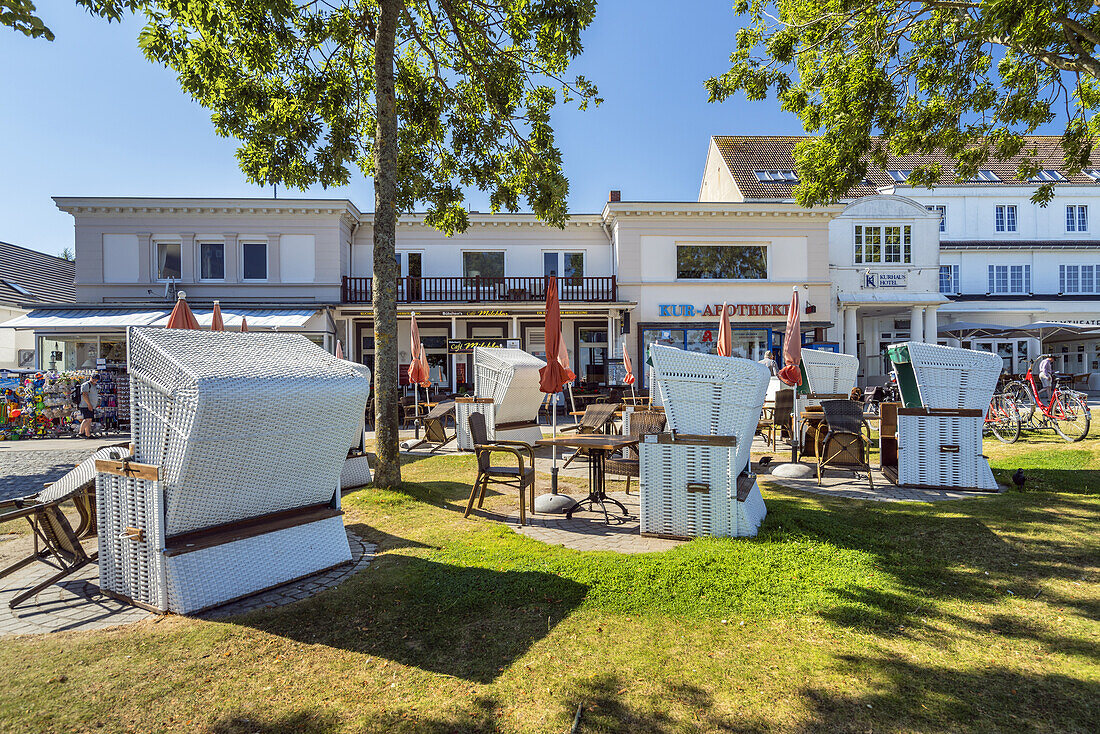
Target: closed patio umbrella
{"points": [[725, 335], [552, 378], [791, 373], [339, 350], [628, 379], [418, 370], [182, 316], [216, 323], [244, 324]]}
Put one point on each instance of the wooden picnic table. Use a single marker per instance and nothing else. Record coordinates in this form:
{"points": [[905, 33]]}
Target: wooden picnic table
{"points": [[599, 446]]}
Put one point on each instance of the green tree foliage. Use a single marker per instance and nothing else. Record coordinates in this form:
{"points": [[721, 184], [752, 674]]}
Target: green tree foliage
{"points": [[871, 78], [428, 97], [22, 15]]}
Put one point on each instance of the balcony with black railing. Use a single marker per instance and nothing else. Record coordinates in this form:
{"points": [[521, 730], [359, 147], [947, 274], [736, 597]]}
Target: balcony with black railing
{"points": [[485, 290]]}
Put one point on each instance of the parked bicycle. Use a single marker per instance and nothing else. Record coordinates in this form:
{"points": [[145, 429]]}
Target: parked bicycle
{"points": [[1066, 411], [1003, 419]]}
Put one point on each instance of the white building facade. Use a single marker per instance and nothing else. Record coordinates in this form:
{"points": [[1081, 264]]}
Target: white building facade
{"points": [[888, 264]]}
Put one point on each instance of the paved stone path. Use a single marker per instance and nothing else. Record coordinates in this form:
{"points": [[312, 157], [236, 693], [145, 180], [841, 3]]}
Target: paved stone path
{"points": [[76, 604], [843, 483], [26, 465], [589, 531]]}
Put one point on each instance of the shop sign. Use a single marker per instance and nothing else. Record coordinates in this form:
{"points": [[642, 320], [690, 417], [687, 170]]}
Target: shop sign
{"points": [[884, 280], [680, 310], [466, 346]]}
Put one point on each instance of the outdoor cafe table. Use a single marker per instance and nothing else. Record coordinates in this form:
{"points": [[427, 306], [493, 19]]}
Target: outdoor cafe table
{"points": [[599, 447]]}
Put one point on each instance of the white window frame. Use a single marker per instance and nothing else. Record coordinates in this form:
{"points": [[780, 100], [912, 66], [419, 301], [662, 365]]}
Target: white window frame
{"points": [[694, 243], [1006, 273], [559, 253], [1075, 212], [156, 260], [1001, 216], [267, 260], [198, 252], [942, 209], [953, 277], [462, 256], [1079, 272], [905, 252]]}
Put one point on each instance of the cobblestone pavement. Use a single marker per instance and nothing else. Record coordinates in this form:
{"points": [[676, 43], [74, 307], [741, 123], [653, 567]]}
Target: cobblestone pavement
{"points": [[841, 483], [26, 465], [77, 604], [588, 530]]}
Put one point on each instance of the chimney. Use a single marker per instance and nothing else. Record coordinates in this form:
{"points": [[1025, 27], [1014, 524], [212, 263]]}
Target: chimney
{"points": [[615, 195]]}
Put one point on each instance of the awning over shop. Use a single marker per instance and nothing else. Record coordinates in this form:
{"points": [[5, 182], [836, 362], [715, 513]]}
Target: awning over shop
{"points": [[113, 318], [878, 297], [82, 318], [265, 318]]}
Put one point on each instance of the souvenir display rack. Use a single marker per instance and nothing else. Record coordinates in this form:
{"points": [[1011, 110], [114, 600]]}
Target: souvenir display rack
{"points": [[40, 406]]}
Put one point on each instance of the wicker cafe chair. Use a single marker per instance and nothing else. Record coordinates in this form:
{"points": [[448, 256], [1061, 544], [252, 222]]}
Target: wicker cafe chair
{"points": [[55, 542], [519, 477], [595, 419], [781, 416], [642, 423], [843, 442]]}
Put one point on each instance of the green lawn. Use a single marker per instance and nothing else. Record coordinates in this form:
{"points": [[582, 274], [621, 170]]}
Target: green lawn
{"points": [[976, 615]]}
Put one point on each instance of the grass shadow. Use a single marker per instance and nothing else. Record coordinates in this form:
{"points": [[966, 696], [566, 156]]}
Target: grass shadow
{"points": [[470, 623]]}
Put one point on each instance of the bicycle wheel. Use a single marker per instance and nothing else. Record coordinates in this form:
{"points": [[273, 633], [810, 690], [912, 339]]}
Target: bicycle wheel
{"points": [[1020, 395], [1071, 416], [1003, 420]]}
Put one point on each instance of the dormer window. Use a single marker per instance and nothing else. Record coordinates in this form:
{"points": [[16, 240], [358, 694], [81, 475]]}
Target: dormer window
{"points": [[900, 176], [987, 176], [785, 176], [1043, 176]]}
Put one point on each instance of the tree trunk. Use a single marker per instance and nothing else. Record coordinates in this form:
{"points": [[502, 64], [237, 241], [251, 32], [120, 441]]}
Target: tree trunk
{"points": [[385, 265]]}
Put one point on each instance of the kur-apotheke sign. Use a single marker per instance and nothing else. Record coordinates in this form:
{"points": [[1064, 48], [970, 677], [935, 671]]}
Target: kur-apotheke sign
{"points": [[466, 346], [679, 310], [885, 280]]}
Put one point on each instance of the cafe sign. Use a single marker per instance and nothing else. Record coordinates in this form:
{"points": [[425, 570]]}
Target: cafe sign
{"points": [[466, 346], [680, 310], [884, 280]]}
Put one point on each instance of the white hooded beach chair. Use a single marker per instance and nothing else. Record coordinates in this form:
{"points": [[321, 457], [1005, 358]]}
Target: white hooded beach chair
{"points": [[828, 376], [506, 392], [945, 394], [239, 439], [695, 478]]}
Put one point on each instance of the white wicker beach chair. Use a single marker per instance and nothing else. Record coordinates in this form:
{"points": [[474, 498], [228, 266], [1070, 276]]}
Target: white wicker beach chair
{"points": [[506, 390], [940, 440], [829, 376], [695, 479], [240, 439]]}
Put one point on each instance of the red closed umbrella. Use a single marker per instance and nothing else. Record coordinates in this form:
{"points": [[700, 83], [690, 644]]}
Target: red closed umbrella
{"points": [[181, 316], [725, 335], [339, 350], [418, 366], [629, 379], [792, 345], [244, 324], [556, 373], [216, 323]]}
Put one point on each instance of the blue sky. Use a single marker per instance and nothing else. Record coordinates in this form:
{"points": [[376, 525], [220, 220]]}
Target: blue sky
{"points": [[87, 115]]}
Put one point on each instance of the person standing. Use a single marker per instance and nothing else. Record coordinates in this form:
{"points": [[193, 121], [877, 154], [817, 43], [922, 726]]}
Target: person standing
{"points": [[1046, 377], [89, 401], [769, 362]]}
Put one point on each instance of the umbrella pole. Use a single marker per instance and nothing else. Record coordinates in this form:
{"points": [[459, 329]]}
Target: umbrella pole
{"points": [[554, 448], [416, 411]]}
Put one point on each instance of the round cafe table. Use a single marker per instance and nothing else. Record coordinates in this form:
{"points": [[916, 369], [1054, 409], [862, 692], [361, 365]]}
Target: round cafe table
{"points": [[599, 446]]}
